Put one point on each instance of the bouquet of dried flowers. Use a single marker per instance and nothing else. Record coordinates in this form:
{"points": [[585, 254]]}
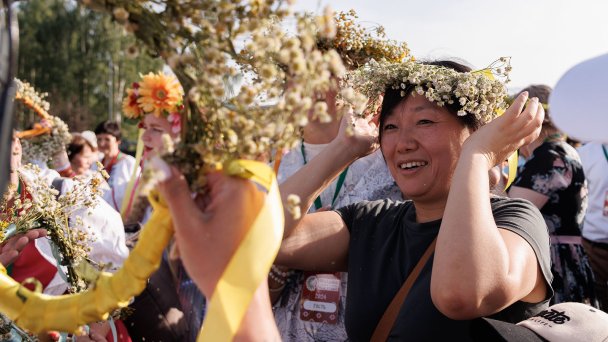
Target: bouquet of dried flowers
{"points": [[49, 136], [357, 45], [45, 208], [209, 42]]}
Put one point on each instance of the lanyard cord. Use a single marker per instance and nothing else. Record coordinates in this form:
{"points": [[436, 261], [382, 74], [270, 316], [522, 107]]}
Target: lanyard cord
{"points": [[318, 203]]}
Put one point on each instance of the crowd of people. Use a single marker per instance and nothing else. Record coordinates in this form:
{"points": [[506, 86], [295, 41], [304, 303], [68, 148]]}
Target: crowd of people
{"points": [[432, 194]]}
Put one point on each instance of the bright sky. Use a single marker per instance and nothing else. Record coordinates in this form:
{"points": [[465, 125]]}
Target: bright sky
{"points": [[544, 37]]}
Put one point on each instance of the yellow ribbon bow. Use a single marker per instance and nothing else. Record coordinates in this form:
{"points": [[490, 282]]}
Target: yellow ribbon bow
{"points": [[251, 262]]}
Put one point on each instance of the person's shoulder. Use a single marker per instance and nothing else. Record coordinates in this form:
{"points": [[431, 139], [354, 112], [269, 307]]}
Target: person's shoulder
{"points": [[518, 214], [590, 150], [498, 202], [128, 157], [127, 160], [377, 207], [363, 214]]}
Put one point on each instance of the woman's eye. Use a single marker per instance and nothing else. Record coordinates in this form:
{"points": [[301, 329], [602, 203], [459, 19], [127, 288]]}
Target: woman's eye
{"points": [[389, 126], [158, 130], [424, 122]]}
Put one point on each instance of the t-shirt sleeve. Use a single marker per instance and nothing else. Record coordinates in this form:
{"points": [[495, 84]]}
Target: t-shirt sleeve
{"points": [[362, 215], [542, 173], [524, 219], [349, 213]]}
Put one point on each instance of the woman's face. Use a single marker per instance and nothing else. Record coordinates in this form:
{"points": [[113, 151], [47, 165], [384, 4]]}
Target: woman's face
{"points": [[421, 143], [107, 143], [81, 163], [154, 128]]}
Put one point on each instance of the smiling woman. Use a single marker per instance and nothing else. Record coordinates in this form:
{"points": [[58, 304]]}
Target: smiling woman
{"points": [[439, 152]]}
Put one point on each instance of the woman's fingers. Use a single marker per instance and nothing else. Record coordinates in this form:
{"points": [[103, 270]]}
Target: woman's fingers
{"points": [[8, 257], [517, 106]]}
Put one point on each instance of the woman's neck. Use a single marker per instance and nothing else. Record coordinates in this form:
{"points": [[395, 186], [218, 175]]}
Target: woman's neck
{"points": [[427, 212], [111, 155]]}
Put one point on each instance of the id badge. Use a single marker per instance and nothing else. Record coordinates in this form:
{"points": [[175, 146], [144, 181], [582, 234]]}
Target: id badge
{"points": [[320, 300]]}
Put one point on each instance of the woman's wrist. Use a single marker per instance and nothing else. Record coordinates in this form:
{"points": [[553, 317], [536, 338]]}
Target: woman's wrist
{"points": [[471, 155], [277, 278], [345, 150]]}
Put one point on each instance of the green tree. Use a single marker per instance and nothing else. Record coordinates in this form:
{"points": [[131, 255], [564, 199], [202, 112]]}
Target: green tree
{"points": [[82, 58]]}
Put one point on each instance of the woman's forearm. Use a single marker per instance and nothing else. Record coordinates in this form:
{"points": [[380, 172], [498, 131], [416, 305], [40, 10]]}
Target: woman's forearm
{"points": [[313, 178]]}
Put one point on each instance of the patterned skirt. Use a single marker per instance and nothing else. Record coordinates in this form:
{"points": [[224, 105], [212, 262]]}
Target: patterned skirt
{"points": [[572, 275]]}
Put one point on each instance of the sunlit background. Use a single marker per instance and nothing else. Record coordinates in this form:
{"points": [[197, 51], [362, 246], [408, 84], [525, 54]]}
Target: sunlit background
{"points": [[544, 37]]}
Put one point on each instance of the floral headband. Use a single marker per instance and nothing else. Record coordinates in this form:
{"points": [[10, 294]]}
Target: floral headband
{"points": [[356, 45], [48, 136], [157, 94], [480, 93]]}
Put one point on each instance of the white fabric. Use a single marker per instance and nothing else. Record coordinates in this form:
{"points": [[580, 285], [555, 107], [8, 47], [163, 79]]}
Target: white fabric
{"points": [[578, 102], [595, 166], [119, 180], [367, 179], [103, 225]]}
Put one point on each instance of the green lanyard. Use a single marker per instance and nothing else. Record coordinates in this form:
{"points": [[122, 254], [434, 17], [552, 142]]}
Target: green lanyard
{"points": [[605, 152], [318, 203]]}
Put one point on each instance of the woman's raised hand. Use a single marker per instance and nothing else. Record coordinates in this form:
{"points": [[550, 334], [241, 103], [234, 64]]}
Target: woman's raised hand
{"points": [[209, 228], [359, 136], [518, 126]]}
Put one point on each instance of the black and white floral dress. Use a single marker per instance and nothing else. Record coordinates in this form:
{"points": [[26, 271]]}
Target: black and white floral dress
{"points": [[554, 169]]}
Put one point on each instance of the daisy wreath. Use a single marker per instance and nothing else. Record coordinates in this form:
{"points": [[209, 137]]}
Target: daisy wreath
{"points": [[480, 93]]}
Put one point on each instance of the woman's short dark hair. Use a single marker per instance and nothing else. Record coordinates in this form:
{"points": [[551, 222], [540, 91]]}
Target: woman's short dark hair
{"points": [[109, 127], [77, 145], [393, 97]]}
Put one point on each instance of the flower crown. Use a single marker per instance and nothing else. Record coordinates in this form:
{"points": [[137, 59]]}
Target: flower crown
{"points": [[48, 136], [480, 93], [357, 46], [157, 94]]}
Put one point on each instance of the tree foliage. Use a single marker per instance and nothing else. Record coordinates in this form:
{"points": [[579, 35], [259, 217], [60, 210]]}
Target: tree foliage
{"points": [[82, 58]]}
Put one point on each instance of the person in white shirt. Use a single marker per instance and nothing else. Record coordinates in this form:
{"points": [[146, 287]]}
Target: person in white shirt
{"points": [[594, 157], [119, 165]]}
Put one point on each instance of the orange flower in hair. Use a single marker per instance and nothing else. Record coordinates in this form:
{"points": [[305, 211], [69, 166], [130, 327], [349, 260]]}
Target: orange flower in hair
{"points": [[159, 94]]}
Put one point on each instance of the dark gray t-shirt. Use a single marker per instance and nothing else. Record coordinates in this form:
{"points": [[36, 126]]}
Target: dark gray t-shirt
{"points": [[386, 242]]}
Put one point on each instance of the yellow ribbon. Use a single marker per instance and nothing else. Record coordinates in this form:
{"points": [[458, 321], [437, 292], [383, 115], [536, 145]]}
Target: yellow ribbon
{"points": [[39, 313], [128, 199], [246, 270], [244, 273], [251, 262], [513, 159]]}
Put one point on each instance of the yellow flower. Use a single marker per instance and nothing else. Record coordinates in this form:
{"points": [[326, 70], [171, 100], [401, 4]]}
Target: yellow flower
{"points": [[158, 93]]}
